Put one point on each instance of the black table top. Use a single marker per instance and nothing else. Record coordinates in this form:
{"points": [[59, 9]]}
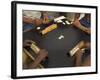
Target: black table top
{"points": [[58, 49]]}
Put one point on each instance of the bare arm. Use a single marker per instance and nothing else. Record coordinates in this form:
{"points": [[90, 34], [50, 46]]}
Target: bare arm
{"points": [[28, 20], [81, 27], [78, 57], [87, 61], [35, 21], [40, 57]]}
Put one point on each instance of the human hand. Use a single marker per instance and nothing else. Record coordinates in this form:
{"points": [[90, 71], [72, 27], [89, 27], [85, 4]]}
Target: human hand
{"points": [[37, 21], [43, 53], [27, 43], [45, 19], [76, 23], [79, 53]]}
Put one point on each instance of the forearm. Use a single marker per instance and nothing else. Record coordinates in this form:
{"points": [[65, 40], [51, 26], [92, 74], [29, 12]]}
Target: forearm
{"points": [[87, 61], [28, 20], [83, 28], [78, 61], [78, 58]]}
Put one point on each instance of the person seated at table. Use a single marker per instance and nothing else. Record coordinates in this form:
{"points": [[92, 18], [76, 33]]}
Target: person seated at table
{"points": [[42, 55], [83, 24], [31, 19], [37, 18], [49, 16], [79, 56]]}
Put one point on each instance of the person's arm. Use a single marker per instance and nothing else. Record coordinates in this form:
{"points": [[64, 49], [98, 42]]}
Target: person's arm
{"points": [[35, 21], [28, 20], [78, 57], [40, 57], [27, 43], [87, 61], [81, 27], [45, 18]]}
